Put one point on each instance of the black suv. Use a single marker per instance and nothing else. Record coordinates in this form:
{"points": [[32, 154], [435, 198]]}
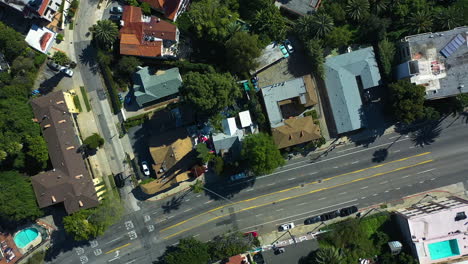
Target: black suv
{"points": [[330, 215], [312, 220], [348, 211], [119, 180]]}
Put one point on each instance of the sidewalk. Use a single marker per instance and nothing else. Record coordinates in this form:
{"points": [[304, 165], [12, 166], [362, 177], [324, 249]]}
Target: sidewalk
{"points": [[305, 230]]}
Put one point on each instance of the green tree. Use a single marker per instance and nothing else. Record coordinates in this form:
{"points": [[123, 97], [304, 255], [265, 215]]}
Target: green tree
{"points": [[208, 20], [329, 255], [461, 102], [227, 245], [60, 58], [357, 9], [339, 37], [218, 165], [314, 52], [133, 3], [322, 24], [12, 43], [373, 29], [204, 153], [420, 22], [241, 51], [210, 92], [336, 11], [36, 151], [188, 251], [22, 65], [261, 153], [270, 23], [407, 101], [249, 8], [78, 226], [105, 32], [197, 187], [127, 65], [379, 6], [386, 56], [449, 18], [17, 201], [94, 141], [145, 8], [37, 258]]}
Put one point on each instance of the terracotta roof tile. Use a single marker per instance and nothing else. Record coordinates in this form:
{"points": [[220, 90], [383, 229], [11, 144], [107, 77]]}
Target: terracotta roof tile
{"points": [[169, 7]]}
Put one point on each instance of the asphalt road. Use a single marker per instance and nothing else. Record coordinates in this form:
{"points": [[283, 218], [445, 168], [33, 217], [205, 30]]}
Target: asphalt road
{"points": [[348, 175]]}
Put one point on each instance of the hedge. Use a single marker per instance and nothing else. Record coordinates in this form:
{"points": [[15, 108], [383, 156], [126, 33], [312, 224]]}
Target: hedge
{"points": [[85, 98], [111, 88], [76, 100], [136, 120]]}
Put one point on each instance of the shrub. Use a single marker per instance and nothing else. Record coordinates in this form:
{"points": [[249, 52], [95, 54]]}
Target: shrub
{"points": [[111, 88], [39, 59], [94, 141], [145, 181], [135, 121], [85, 98], [60, 58], [312, 113], [218, 163], [59, 37]]}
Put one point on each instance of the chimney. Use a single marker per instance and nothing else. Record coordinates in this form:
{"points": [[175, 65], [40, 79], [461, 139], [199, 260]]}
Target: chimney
{"points": [[290, 136], [158, 20], [60, 102], [302, 133], [62, 121], [71, 147], [53, 199], [79, 176], [80, 203], [46, 126]]}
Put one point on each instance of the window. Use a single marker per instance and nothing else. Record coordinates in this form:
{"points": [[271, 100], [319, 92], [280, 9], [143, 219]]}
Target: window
{"points": [[460, 216]]}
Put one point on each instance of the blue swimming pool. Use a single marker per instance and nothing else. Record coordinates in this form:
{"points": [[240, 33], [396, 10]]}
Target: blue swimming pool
{"points": [[444, 249], [25, 236]]}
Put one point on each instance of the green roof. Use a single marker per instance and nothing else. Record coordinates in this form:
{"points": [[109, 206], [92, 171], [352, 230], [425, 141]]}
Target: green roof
{"points": [[341, 73], [150, 87]]}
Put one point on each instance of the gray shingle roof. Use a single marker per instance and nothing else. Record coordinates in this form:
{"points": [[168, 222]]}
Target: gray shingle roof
{"points": [[150, 87], [342, 87]]}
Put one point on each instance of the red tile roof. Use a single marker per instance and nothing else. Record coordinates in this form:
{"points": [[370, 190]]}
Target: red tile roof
{"points": [[144, 38], [44, 39], [169, 7], [43, 7]]}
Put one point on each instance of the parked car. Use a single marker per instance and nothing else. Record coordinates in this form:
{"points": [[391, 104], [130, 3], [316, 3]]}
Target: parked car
{"points": [[284, 51], [285, 227], [119, 180], [128, 99], [120, 97], [278, 251], [66, 71], [146, 170], [288, 46], [54, 66], [116, 10], [312, 220], [348, 211], [251, 233], [115, 17], [238, 176], [330, 215]]}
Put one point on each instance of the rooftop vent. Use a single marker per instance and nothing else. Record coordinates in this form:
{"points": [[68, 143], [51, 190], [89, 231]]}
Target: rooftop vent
{"points": [[60, 102], [62, 121], [53, 199], [80, 203], [79, 176], [46, 126], [71, 147]]}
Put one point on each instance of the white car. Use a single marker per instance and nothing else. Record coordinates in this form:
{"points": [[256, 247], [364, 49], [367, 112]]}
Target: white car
{"points": [[67, 71], [285, 227], [146, 170]]}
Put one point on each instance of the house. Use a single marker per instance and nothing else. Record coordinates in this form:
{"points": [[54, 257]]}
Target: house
{"points": [[437, 230], [154, 87], [170, 8], [147, 36], [285, 104], [228, 143], [238, 259], [69, 181], [348, 78], [299, 7], [45, 9], [438, 61], [40, 38]]}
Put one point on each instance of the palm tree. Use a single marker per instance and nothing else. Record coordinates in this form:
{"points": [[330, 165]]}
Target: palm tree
{"points": [[449, 18], [330, 255], [420, 22], [358, 9], [379, 5], [105, 32], [303, 26], [197, 187], [322, 24], [233, 28]]}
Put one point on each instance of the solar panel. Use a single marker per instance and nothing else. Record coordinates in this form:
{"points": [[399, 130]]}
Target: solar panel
{"points": [[453, 45]]}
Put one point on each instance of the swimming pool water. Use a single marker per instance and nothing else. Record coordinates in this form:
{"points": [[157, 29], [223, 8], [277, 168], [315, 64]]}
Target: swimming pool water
{"points": [[444, 249], [24, 237]]}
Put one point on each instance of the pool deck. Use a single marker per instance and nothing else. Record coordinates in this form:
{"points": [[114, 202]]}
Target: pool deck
{"points": [[8, 238]]}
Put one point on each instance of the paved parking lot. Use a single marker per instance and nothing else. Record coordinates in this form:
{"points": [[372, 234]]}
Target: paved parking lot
{"points": [[49, 80]]}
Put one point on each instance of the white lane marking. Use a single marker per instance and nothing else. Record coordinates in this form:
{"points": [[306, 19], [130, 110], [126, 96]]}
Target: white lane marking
{"points": [[316, 162], [93, 243], [97, 251], [290, 179], [312, 173], [132, 235], [378, 146], [387, 191], [196, 235], [175, 244], [199, 195], [384, 182], [113, 240], [169, 217], [421, 182], [363, 197], [291, 216], [131, 261], [187, 200], [187, 210], [365, 187], [412, 147], [281, 209], [147, 218], [394, 137], [433, 179], [209, 202], [301, 204], [323, 198], [258, 215], [409, 185], [342, 193], [398, 188], [270, 184], [425, 171], [249, 190], [129, 225], [154, 212], [357, 161], [375, 194], [405, 176], [396, 151], [336, 167]]}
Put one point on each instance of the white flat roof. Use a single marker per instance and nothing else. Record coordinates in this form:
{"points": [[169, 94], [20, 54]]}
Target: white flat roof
{"points": [[229, 126], [245, 119], [35, 35]]}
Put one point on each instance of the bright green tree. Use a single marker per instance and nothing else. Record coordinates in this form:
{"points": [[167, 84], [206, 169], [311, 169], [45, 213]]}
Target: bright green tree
{"points": [[339, 37], [407, 101], [204, 153], [261, 153], [461, 102], [17, 199], [386, 56], [210, 92], [241, 51], [270, 23], [145, 8], [329, 255], [12, 43], [197, 187], [188, 251], [105, 32], [36, 151], [61, 58], [128, 65], [94, 141], [358, 9]]}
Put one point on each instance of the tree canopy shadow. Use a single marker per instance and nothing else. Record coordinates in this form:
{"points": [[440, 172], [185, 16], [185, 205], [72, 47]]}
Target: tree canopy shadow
{"points": [[174, 203], [380, 155], [427, 134], [222, 189], [88, 57]]}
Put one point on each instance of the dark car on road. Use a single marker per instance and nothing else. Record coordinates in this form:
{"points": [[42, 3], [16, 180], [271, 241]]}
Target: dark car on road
{"points": [[330, 215], [116, 10], [312, 220], [348, 211], [119, 180]]}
